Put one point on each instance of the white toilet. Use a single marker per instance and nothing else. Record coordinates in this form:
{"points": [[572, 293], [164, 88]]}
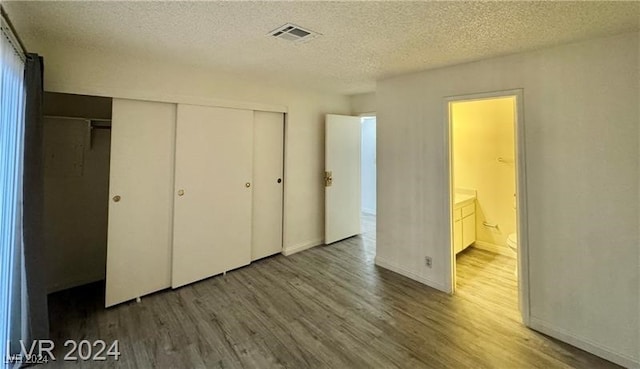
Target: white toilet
{"points": [[512, 242]]}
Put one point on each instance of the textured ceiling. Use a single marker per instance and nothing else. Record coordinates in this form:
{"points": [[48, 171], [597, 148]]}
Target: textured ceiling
{"points": [[360, 42]]}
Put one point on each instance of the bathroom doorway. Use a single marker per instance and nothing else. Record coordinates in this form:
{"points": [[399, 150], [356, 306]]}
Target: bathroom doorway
{"points": [[486, 187]]}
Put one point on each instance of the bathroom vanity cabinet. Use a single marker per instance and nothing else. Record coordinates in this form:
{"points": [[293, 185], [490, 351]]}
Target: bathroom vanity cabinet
{"points": [[464, 222]]}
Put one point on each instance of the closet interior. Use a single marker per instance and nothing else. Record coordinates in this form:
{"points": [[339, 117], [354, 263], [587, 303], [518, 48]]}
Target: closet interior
{"points": [[77, 144]]}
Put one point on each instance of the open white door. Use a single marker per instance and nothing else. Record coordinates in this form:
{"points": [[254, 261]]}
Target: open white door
{"points": [[342, 177]]}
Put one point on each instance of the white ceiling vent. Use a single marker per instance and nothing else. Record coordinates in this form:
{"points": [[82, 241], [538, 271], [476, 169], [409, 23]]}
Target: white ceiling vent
{"points": [[291, 32]]}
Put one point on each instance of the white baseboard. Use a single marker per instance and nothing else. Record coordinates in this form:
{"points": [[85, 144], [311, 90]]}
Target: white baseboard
{"points": [[409, 274], [584, 344], [302, 246], [496, 249]]}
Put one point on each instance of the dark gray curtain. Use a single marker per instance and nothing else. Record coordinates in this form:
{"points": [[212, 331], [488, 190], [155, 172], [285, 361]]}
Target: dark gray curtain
{"points": [[35, 312]]}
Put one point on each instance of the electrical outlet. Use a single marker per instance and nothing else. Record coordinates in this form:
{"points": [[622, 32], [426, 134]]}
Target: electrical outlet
{"points": [[427, 261]]}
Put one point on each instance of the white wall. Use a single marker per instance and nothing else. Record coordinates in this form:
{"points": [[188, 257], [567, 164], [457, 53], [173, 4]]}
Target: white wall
{"points": [[581, 123], [363, 103], [91, 72], [483, 131], [368, 165]]}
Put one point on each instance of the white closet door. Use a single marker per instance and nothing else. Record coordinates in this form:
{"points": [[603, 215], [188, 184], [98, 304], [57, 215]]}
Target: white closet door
{"points": [[268, 156], [141, 199], [212, 216]]}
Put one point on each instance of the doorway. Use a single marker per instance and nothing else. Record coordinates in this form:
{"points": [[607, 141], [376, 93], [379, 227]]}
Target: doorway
{"points": [[368, 174], [77, 149], [486, 188]]}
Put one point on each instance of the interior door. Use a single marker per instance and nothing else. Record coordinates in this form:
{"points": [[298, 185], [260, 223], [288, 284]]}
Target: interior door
{"points": [[342, 177], [268, 156], [213, 193], [140, 199]]}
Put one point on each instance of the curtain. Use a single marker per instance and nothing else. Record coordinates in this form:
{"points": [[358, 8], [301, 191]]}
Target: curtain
{"points": [[12, 108], [35, 313]]}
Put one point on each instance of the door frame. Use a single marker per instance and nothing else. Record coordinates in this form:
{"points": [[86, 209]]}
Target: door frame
{"points": [[362, 116], [521, 193]]}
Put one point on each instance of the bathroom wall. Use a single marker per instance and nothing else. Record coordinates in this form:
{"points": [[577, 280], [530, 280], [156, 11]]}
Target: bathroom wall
{"points": [[483, 131]]}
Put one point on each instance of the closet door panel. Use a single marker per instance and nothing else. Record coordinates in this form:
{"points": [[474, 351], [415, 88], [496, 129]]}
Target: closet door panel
{"points": [[268, 156], [213, 192], [140, 199]]}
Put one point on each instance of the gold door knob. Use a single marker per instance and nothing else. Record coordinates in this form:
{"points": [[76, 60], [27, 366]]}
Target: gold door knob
{"points": [[116, 198], [180, 192], [247, 185]]}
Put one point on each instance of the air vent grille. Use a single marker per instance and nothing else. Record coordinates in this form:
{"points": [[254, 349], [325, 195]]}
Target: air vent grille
{"points": [[293, 33]]}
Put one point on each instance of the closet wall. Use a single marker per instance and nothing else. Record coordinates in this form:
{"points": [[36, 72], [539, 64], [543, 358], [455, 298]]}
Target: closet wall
{"points": [[76, 189], [195, 191], [82, 70]]}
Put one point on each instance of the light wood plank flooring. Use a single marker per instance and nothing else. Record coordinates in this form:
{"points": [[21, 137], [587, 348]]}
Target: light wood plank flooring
{"points": [[328, 307]]}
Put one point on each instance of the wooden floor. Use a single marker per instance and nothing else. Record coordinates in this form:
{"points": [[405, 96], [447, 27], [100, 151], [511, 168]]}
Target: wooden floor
{"points": [[328, 307]]}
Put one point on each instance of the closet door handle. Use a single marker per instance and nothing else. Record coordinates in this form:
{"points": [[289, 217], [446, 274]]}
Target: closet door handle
{"points": [[247, 185], [180, 192], [116, 198], [279, 180]]}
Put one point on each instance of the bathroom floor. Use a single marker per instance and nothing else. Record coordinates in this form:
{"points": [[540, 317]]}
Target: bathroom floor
{"points": [[488, 281]]}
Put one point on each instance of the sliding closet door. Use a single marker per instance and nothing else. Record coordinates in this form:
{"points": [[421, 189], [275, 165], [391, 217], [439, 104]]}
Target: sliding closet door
{"points": [[268, 156], [212, 217], [140, 199]]}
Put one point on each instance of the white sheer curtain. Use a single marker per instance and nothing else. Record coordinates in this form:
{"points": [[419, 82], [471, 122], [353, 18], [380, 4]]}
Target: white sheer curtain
{"points": [[12, 113]]}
